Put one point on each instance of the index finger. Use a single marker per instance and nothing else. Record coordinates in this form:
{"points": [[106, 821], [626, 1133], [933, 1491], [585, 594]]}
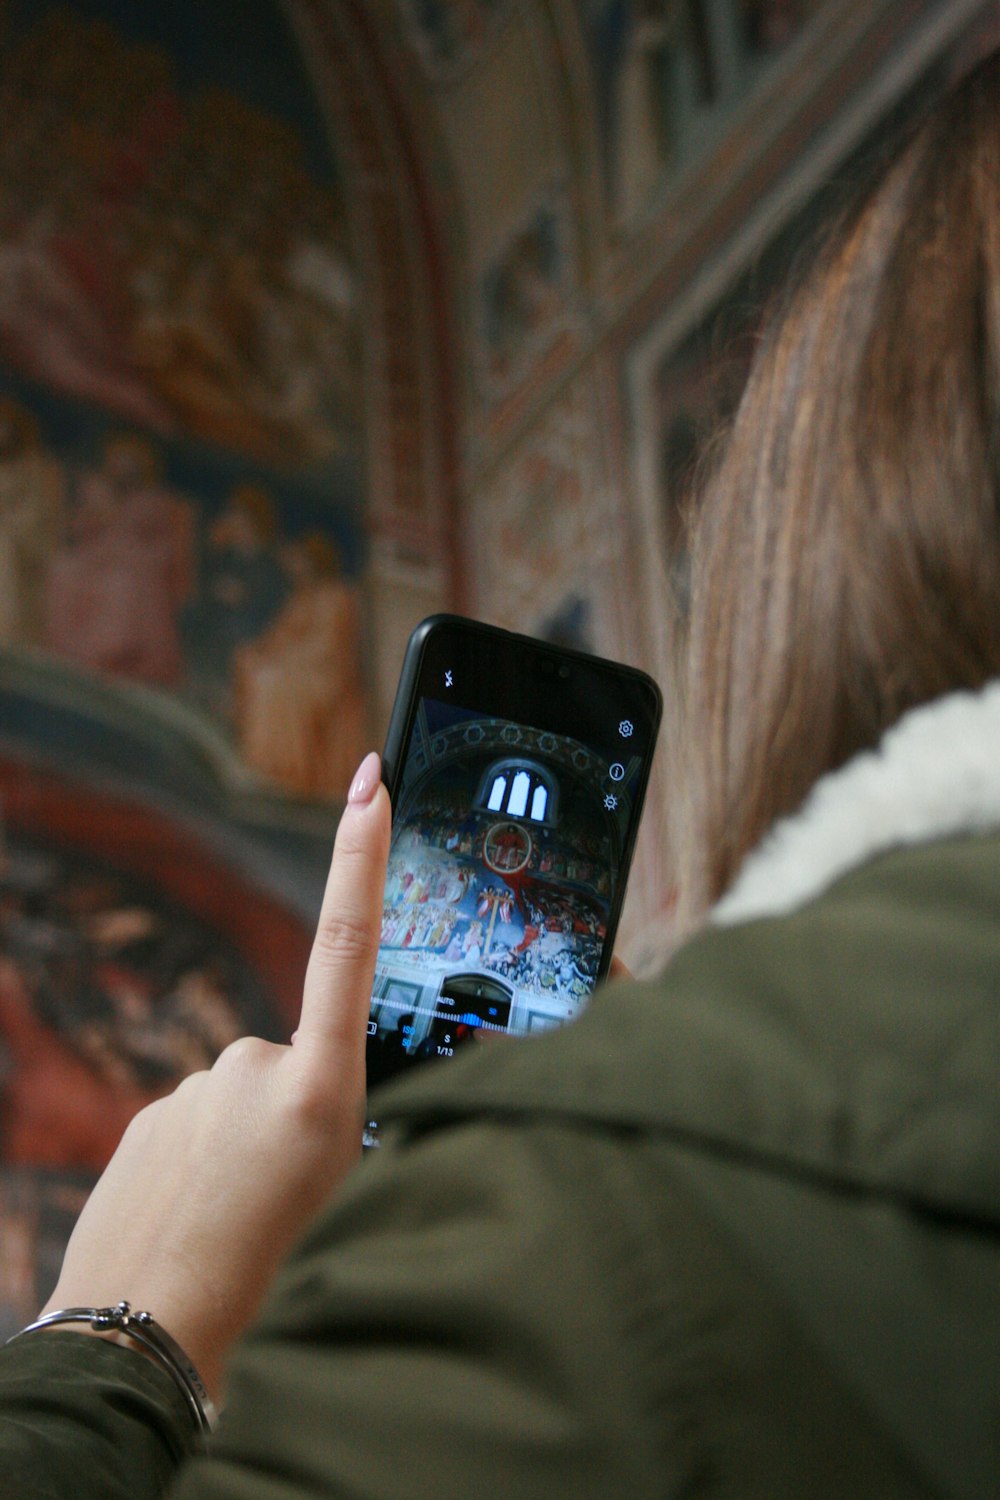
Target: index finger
{"points": [[341, 966]]}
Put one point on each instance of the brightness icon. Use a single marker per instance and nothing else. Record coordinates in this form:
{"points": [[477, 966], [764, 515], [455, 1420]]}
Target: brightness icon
{"points": [[610, 801]]}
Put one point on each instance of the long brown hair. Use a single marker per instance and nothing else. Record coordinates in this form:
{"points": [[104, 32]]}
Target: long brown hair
{"points": [[846, 552]]}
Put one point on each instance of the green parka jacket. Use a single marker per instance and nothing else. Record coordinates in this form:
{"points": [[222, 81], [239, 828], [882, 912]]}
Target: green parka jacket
{"points": [[735, 1233]]}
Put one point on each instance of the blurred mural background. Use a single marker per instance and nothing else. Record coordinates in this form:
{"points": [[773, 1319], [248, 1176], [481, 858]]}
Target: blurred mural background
{"points": [[317, 316]]}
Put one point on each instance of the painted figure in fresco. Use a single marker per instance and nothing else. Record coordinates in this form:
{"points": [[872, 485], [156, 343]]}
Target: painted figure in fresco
{"points": [[643, 143], [107, 1000], [243, 586], [201, 345], [51, 326], [299, 709], [450, 29], [166, 252], [32, 499], [309, 349], [668, 66], [472, 950], [523, 292], [656, 66], [117, 586], [91, 115], [244, 320], [60, 1109], [771, 24]]}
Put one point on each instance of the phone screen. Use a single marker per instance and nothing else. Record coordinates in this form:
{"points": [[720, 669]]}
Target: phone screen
{"points": [[510, 844]]}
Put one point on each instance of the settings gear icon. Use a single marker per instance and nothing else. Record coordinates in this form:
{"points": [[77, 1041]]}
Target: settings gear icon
{"points": [[626, 729], [610, 801]]}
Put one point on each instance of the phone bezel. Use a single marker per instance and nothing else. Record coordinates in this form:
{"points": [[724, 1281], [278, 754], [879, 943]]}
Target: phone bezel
{"points": [[533, 682]]}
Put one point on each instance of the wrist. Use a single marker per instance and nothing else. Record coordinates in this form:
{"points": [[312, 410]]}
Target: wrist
{"points": [[139, 1331]]}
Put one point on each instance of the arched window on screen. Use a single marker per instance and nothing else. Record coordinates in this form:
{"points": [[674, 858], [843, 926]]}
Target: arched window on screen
{"points": [[520, 789]]}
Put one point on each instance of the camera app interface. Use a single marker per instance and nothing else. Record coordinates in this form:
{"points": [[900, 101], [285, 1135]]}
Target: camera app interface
{"points": [[507, 844]]}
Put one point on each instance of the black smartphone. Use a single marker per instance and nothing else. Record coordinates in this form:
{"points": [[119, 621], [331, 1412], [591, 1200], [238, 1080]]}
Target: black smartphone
{"points": [[517, 771]]}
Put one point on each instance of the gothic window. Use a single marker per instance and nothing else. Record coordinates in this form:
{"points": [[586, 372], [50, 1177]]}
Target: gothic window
{"points": [[519, 789]]}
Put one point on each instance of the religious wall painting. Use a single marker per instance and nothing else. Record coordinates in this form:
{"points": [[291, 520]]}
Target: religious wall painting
{"points": [[542, 516], [220, 583], [663, 70], [542, 520], [451, 34], [697, 385], [179, 374], [167, 251], [115, 983], [525, 295], [768, 26]]}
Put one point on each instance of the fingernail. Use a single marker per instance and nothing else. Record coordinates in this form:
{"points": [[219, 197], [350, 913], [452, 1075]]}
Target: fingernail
{"points": [[366, 779]]}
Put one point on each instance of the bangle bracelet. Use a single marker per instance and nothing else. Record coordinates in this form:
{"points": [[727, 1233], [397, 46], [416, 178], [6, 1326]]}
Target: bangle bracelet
{"points": [[144, 1329]]}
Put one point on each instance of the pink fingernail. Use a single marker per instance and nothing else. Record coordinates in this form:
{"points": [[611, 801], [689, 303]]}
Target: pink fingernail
{"points": [[366, 779]]}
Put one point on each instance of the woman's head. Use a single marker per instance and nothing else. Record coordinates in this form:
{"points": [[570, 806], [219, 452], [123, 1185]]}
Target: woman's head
{"points": [[846, 552]]}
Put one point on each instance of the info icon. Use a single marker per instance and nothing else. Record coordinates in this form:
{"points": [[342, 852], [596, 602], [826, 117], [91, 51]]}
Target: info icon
{"points": [[626, 729], [617, 771]]}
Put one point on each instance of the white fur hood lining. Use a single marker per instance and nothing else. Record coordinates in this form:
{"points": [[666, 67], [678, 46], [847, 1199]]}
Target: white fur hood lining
{"points": [[935, 774]]}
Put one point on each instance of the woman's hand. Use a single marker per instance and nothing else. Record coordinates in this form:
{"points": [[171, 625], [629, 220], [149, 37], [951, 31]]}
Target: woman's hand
{"points": [[210, 1186]]}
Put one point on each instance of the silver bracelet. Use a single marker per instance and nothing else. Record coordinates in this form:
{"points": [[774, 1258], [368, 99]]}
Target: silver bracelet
{"points": [[144, 1329]]}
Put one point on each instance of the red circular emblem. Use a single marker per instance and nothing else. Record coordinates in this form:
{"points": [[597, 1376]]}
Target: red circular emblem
{"points": [[507, 848]]}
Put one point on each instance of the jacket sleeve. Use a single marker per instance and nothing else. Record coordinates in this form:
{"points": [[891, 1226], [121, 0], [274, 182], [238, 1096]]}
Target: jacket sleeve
{"points": [[80, 1416], [473, 1316], [454, 1328]]}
